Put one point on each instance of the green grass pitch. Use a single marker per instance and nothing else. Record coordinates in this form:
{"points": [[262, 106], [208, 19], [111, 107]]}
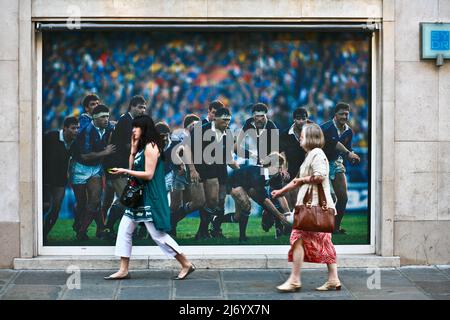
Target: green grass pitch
{"points": [[356, 225]]}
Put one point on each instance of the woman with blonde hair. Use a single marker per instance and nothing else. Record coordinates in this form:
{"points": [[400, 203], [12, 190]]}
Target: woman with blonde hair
{"points": [[309, 246]]}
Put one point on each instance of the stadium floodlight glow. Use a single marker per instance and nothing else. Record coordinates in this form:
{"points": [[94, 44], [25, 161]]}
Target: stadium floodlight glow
{"points": [[435, 42], [205, 27]]}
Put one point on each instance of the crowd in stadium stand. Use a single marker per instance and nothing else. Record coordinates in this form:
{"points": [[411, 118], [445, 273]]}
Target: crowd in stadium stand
{"points": [[180, 73]]}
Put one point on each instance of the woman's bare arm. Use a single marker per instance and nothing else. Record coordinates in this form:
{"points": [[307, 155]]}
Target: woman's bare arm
{"points": [[296, 183], [151, 157]]}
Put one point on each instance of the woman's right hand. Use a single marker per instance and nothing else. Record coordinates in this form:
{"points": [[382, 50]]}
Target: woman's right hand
{"points": [[117, 171], [134, 144]]}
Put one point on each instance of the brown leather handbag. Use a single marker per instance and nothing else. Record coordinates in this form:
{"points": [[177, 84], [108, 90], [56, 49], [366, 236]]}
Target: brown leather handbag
{"points": [[317, 218]]}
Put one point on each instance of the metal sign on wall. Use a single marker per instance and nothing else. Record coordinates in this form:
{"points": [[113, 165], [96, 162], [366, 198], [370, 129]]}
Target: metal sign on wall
{"points": [[435, 41]]}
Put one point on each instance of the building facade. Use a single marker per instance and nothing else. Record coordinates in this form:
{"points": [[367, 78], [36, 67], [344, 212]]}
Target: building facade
{"points": [[410, 123]]}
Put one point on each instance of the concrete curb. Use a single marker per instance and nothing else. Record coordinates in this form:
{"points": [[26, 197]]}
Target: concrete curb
{"points": [[202, 262]]}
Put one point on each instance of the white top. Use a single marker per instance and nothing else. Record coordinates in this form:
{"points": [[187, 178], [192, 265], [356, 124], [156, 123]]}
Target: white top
{"points": [[291, 131], [315, 164]]}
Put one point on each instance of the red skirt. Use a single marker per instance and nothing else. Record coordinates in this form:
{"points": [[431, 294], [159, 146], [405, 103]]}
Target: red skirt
{"points": [[317, 246]]}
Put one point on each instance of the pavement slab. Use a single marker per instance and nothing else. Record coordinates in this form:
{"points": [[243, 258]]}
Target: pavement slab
{"points": [[32, 292], [96, 278], [148, 278], [205, 274], [6, 276], [200, 298], [258, 287], [197, 288], [404, 283], [440, 296], [58, 278], [423, 273], [329, 295], [91, 292], [144, 293], [251, 275], [256, 296], [385, 279], [445, 270], [433, 287]]}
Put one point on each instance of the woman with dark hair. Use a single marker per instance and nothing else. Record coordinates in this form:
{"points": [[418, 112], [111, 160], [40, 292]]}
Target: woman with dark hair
{"points": [[147, 163]]}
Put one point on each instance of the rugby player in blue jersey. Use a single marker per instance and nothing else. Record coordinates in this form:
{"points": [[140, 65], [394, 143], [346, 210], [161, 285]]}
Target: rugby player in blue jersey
{"points": [[88, 151], [338, 146]]}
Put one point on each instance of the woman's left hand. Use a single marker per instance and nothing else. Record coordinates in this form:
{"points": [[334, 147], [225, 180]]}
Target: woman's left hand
{"points": [[117, 171], [276, 193]]}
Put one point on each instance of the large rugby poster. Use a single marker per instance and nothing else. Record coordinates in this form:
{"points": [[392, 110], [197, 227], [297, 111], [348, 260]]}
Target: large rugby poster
{"points": [[270, 83]]}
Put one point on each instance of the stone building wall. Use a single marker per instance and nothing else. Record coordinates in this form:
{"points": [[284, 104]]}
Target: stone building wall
{"points": [[412, 191]]}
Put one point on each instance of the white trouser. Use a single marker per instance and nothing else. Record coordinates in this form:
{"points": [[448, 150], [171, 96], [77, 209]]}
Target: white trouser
{"points": [[125, 236]]}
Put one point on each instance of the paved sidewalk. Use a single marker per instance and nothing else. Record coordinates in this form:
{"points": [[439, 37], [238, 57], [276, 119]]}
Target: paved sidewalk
{"points": [[405, 283]]}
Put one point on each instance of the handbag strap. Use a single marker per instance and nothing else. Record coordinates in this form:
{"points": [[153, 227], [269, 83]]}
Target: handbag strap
{"points": [[307, 199], [322, 198]]}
